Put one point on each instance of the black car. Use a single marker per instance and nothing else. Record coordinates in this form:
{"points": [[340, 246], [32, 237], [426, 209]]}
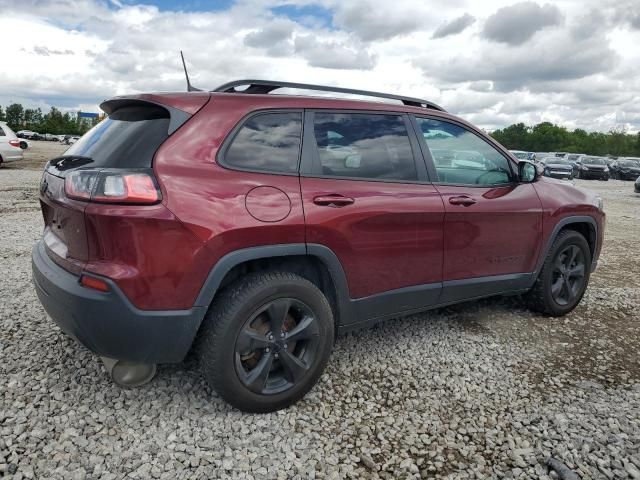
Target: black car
{"points": [[625, 169], [592, 168], [557, 167]]}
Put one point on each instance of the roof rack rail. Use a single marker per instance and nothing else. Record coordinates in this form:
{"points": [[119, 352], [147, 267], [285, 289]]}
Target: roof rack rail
{"points": [[266, 86]]}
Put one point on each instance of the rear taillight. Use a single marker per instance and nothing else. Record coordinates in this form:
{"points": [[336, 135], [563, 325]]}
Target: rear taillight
{"points": [[14, 143], [112, 186]]}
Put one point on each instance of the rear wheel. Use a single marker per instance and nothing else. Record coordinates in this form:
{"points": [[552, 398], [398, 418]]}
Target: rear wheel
{"points": [[266, 341], [564, 275]]}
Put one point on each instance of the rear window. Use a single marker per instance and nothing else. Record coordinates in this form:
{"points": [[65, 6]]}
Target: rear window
{"points": [[2, 134], [129, 137]]}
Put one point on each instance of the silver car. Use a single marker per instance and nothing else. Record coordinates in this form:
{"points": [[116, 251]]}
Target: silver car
{"points": [[9, 145]]}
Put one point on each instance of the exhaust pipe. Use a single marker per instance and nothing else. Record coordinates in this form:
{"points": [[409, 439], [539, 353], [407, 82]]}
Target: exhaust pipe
{"points": [[129, 374]]}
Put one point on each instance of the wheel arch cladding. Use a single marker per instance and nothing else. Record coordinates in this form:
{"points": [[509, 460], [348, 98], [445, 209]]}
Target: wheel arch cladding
{"points": [[316, 263], [585, 225]]}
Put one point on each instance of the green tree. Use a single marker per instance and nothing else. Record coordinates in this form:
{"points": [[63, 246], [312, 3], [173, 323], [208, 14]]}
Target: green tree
{"points": [[515, 137], [15, 116]]}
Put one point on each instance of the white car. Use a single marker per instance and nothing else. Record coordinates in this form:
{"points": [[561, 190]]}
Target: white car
{"points": [[9, 145], [26, 133]]}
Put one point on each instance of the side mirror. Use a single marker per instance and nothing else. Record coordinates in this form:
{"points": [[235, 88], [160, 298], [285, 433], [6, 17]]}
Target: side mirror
{"points": [[528, 172]]}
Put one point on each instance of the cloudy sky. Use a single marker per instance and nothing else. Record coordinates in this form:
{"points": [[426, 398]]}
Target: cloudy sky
{"points": [[495, 62]]}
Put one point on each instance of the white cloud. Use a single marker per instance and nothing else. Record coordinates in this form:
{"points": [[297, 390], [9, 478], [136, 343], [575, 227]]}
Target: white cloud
{"points": [[574, 62]]}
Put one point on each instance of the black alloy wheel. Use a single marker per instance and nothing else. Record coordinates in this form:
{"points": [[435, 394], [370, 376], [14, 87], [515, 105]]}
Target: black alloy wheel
{"points": [[266, 340], [567, 279], [564, 276], [276, 346]]}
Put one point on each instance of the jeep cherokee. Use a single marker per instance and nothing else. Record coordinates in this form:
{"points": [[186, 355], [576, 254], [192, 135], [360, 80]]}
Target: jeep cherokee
{"points": [[253, 228]]}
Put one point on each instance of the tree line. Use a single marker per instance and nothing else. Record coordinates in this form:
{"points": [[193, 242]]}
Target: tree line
{"points": [[53, 121], [547, 137]]}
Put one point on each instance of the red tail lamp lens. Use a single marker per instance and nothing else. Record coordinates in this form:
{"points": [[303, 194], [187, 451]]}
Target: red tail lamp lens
{"points": [[112, 186], [94, 283]]}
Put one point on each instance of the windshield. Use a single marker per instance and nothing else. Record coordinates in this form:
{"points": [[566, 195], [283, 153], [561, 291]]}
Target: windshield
{"points": [[629, 163], [593, 161]]}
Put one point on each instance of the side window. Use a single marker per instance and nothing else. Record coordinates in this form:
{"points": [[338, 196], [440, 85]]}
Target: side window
{"points": [[462, 157], [363, 145], [2, 134], [267, 141]]}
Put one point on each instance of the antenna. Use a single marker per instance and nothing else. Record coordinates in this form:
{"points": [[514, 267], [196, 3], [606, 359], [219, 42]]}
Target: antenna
{"points": [[190, 88]]}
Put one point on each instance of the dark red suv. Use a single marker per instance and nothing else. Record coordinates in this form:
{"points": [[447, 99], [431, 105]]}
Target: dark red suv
{"points": [[255, 227]]}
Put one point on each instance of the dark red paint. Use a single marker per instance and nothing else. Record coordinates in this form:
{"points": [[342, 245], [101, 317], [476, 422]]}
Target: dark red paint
{"points": [[386, 235]]}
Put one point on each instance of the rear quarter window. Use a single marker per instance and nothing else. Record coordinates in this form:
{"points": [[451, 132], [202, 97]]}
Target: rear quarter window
{"points": [[267, 142]]}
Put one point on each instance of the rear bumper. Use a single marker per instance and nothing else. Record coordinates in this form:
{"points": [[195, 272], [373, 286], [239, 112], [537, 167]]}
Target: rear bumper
{"points": [[107, 323], [11, 155]]}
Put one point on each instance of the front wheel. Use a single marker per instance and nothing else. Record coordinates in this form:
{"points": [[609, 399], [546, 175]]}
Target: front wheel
{"points": [[266, 341], [564, 275]]}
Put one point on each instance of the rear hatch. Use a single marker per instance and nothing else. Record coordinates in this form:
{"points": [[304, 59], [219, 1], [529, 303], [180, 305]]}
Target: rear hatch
{"points": [[126, 139]]}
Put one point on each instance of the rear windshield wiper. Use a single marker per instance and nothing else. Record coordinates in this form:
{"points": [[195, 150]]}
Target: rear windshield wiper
{"points": [[72, 161]]}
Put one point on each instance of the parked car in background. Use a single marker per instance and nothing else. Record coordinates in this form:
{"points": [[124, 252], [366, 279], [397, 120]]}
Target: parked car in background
{"points": [[573, 158], [522, 155], [590, 167], [10, 150], [557, 167], [69, 139], [273, 242], [28, 134], [625, 168]]}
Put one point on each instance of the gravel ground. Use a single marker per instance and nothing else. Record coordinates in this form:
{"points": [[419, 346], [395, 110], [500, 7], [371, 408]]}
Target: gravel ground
{"points": [[481, 390]]}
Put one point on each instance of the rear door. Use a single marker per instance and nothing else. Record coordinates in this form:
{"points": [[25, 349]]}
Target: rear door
{"points": [[367, 199], [493, 223]]}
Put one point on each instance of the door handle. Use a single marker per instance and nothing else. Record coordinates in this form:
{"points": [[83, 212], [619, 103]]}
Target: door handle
{"points": [[462, 200], [335, 201]]}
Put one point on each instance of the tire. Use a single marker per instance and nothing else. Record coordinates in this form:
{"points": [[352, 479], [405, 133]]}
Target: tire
{"points": [[243, 358], [541, 297]]}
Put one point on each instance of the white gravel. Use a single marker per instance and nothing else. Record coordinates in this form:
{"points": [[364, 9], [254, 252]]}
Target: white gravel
{"points": [[483, 390]]}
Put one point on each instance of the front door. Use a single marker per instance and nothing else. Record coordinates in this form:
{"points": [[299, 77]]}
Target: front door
{"points": [[493, 224]]}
